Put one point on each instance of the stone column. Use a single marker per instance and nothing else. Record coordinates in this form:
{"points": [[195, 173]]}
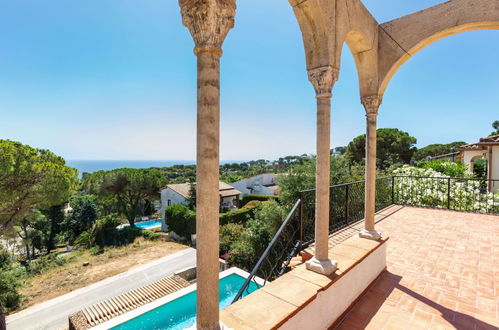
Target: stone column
{"points": [[323, 79], [371, 104], [208, 21]]}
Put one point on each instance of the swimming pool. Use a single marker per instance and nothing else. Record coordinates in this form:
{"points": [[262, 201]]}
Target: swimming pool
{"points": [[179, 313], [148, 224]]}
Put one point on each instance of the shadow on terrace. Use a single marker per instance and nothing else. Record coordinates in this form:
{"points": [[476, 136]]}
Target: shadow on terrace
{"points": [[441, 259]]}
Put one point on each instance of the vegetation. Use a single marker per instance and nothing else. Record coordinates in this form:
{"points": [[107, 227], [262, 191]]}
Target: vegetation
{"points": [[82, 216], [241, 215], [31, 178], [36, 186], [257, 234], [433, 150], [9, 283], [128, 191], [441, 191], [448, 168], [181, 220], [393, 147], [495, 125], [253, 197]]}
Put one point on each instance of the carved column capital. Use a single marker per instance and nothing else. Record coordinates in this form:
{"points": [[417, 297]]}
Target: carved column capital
{"points": [[371, 104], [323, 80], [208, 21]]}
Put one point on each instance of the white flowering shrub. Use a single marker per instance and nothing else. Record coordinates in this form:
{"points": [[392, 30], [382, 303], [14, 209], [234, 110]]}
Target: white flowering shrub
{"points": [[427, 187]]}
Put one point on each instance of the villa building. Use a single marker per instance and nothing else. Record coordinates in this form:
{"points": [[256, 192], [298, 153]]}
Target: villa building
{"points": [[488, 149], [262, 184], [180, 193]]}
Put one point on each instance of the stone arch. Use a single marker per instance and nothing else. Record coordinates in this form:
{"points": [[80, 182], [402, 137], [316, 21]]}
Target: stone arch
{"points": [[403, 37], [314, 24], [365, 56]]}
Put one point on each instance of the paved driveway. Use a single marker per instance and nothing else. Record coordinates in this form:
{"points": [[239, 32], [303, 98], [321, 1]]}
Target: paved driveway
{"points": [[53, 314]]}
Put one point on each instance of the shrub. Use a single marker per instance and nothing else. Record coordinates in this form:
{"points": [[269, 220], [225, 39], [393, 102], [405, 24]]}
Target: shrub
{"points": [[85, 240], [242, 255], [252, 197], [229, 234], [5, 258], [9, 282], [433, 191], [253, 241], [181, 220], [43, 263], [452, 169], [104, 231], [96, 250], [82, 217], [241, 215], [150, 235]]}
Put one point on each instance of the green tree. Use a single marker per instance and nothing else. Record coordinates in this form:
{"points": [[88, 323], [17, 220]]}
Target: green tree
{"points": [[229, 234], [82, 217], [302, 177], [298, 177], [33, 229], [55, 215], [436, 149], [393, 146], [192, 196], [127, 189], [339, 150], [31, 178], [255, 239], [495, 125]]}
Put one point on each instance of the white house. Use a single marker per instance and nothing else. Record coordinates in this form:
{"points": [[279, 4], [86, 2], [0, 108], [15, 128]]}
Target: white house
{"points": [[487, 148], [179, 194], [262, 184]]}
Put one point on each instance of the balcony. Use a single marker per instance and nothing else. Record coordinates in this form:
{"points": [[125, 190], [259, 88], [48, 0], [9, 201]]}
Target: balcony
{"points": [[441, 272]]}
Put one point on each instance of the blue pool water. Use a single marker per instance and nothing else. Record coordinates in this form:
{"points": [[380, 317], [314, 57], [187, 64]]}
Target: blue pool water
{"points": [[148, 224], [181, 312]]}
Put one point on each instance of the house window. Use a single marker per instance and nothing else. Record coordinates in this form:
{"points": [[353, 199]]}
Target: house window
{"points": [[169, 202]]}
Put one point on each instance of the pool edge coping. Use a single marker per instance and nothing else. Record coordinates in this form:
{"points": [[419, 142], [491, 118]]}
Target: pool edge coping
{"points": [[166, 299]]}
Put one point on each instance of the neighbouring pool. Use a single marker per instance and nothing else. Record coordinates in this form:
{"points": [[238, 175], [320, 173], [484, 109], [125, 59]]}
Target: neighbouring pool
{"points": [[181, 312], [148, 224]]}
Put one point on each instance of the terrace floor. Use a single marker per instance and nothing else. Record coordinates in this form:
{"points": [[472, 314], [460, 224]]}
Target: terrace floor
{"points": [[442, 273]]}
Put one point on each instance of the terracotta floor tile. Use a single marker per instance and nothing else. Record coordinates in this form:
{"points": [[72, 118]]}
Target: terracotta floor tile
{"points": [[435, 280]]}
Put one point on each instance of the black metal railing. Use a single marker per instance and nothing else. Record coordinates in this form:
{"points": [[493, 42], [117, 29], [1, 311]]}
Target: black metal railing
{"points": [[274, 261], [297, 231], [458, 194]]}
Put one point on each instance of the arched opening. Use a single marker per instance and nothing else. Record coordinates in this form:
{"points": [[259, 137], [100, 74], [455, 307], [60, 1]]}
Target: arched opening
{"points": [[478, 166], [418, 46]]}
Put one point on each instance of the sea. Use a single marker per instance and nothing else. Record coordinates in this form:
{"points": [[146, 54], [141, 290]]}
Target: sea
{"points": [[90, 166]]}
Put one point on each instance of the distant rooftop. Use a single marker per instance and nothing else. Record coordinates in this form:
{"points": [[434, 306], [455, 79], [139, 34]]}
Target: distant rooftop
{"points": [[183, 189], [486, 141]]}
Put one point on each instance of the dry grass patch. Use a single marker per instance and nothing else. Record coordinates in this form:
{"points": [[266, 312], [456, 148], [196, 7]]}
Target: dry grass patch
{"points": [[73, 275]]}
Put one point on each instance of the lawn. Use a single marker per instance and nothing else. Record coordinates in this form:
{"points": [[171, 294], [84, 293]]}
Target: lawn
{"points": [[73, 275]]}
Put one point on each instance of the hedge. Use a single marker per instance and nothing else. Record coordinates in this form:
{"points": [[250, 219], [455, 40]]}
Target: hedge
{"points": [[252, 197], [182, 220]]}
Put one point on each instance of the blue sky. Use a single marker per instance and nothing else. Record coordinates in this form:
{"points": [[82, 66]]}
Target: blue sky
{"points": [[115, 79]]}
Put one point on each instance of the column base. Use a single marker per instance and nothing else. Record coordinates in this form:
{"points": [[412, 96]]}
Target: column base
{"points": [[325, 267], [370, 234], [221, 327]]}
